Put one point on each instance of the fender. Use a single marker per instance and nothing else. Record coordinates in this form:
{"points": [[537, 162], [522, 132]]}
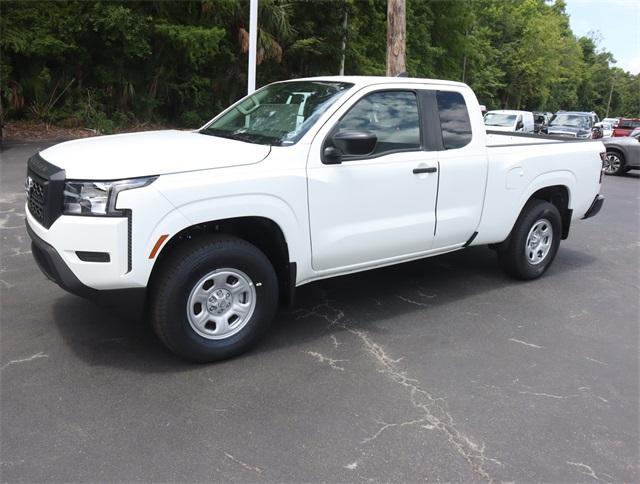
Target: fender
{"points": [[563, 178], [220, 208], [498, 228]]}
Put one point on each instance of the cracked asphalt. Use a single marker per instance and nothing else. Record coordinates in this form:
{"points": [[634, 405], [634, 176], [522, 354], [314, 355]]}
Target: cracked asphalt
{"points": [[438, 370]]}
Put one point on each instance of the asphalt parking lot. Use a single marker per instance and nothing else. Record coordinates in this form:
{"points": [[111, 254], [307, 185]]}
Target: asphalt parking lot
{"points": [[437, 370]]}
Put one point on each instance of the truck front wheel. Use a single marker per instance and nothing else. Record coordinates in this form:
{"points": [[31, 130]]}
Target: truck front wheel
{"points": [[213, 297], [533, 242]]}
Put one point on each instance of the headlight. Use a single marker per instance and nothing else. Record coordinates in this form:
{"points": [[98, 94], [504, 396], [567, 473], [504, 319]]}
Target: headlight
{"points": [[97, 197]]}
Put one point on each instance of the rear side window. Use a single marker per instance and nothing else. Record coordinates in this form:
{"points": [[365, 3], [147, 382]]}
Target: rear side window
{"points": [[454, 120]]}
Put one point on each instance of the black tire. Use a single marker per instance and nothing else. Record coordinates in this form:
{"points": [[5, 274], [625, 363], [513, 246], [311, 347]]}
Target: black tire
{"points": [[614, 164], [514, 259], [180, 273]]}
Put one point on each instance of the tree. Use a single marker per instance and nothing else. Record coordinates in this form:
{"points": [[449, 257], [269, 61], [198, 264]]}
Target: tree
{"points": [[111, 64]]}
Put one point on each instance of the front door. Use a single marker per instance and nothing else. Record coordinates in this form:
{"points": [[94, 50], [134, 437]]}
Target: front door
{"points": [[371, 209]]}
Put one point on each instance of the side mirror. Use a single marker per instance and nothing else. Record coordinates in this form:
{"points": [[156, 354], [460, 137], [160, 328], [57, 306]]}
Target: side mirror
{"points": [[355, 142], [519, 126], [331, 156]]}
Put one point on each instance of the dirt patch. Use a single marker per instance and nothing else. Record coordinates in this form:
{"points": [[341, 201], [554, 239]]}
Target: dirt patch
{"points": [[33, 131]]}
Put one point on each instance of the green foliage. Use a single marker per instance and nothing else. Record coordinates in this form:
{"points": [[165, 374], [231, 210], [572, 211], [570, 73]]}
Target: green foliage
{"points": [[105, 65], [196, 45]]}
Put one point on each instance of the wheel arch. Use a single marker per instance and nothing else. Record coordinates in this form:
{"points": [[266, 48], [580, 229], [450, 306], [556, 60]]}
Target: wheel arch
{"points": [[553, 190], [617, 150], [263, 232], [559, 196]]}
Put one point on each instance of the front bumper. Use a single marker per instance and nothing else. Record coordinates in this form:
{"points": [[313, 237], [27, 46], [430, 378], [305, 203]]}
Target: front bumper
{"points": [[56, 269], [595, 207], [73, 235]]}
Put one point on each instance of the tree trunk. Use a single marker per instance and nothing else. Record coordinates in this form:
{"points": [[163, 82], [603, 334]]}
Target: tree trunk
{"points": [[396, 37]]}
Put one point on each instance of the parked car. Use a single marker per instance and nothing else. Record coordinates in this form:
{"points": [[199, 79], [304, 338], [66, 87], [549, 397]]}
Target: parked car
{"points": [[210, 229], [574, 124], [605, 128], [509, 120], [612, 121], [626, 126], [540, 122], [623, 154]]}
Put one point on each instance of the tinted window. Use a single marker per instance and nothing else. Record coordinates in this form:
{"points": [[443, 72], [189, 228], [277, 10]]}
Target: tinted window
{"points": [[454, 119], [391, 115]]}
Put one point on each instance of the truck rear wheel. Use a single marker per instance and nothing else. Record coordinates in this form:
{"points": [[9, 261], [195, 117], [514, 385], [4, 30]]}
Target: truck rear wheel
{"points": [[533, 242], [213, 297]]}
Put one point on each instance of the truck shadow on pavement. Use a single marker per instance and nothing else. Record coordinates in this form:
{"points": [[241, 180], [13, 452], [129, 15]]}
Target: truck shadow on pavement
{"points": [[409, 292]]}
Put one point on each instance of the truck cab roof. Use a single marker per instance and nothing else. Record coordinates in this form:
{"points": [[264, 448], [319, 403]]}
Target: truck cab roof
{"points": [[363, 81], [577, 113]]}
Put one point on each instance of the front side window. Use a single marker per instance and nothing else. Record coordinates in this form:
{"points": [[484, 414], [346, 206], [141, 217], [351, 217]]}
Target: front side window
{"points": [[454, 120], [391, 115], [278, 114]]}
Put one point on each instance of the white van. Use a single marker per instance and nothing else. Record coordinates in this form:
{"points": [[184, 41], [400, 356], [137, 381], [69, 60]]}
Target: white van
{"points": [[509, 120]]}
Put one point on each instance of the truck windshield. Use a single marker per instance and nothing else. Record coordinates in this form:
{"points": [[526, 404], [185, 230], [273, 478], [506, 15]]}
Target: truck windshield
{"points": [[278, 114], [572, 120], [499, 119]]}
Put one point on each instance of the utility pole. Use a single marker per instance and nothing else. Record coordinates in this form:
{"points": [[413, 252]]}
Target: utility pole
{"points": [[613, 81], [253, 40], [464, 59], [396, 37], [343, 51]]}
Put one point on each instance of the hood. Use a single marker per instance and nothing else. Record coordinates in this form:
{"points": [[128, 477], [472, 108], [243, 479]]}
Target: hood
{"points": [[621, 141], [568, 131], [150, 153]]}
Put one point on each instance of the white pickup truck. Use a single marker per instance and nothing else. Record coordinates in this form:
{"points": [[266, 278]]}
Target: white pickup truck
{"points": [[300, 181]]}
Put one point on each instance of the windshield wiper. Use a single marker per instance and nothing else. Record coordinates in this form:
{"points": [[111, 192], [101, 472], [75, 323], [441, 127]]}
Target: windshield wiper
{"points": [[250, 138], [221, 133]]}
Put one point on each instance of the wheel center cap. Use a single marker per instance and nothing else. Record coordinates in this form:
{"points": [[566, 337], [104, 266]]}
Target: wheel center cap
{"points": [[219, 301]]}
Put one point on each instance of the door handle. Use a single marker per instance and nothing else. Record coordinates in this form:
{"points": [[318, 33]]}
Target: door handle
{"points": [[430, 169]]}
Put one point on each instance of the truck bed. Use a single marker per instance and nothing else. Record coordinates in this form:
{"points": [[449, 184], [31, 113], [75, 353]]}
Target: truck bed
{"points": [[503, 138], [519, 164]]}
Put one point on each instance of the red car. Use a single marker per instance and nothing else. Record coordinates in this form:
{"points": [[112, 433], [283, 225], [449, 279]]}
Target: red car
{"points": [[625, 126]]}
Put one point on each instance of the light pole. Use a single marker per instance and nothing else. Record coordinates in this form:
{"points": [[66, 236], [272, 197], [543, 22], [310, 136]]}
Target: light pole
{"points": [[253, 40]]}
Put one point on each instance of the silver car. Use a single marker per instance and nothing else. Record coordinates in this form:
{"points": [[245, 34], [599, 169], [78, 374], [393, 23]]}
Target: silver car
{"points": [[623, 154]]}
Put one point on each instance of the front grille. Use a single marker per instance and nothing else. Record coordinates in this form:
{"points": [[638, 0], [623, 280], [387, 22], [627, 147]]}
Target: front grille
{"points": [[563, 133], [36, 199], [45, 183]]}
